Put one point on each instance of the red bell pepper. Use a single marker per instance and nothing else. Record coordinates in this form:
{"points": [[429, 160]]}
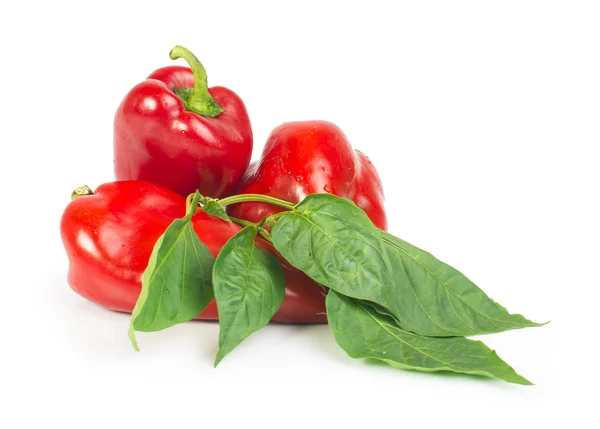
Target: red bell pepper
{"points": [[109, 236], [173, 130], [302, 158]]}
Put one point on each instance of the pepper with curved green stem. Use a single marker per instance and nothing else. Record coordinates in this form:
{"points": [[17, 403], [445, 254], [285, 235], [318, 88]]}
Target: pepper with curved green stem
{"points": [[175, 131], [196, 99]]}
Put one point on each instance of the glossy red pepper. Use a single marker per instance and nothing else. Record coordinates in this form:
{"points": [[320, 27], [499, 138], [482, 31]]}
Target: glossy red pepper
{"points": [[173, 130], [109, 237], [302, 158]]}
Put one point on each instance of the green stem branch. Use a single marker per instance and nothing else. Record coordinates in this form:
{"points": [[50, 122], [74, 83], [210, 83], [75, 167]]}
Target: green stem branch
{"points": [[264, 234], [241, 222], [234, 199]]}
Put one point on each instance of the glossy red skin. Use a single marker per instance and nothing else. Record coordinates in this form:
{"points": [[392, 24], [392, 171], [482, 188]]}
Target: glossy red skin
{"points": [[109, 237], [311, 157], [157, 140]]}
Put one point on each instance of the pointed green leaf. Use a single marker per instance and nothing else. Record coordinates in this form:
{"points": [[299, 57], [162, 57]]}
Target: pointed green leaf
{"points": [[438, 300], [336, 244], [363, 332], [176, 285], [215, 209], [249, 288]]}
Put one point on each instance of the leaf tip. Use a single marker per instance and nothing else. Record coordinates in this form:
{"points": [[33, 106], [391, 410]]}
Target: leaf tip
{"points": [[533, 324], [132, 338], [523, 381]]}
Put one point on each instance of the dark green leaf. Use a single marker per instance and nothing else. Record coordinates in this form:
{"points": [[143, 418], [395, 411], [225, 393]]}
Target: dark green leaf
{"points": [[249, 288], [176, 285], [438, 300], [363, 332], [335, 243], [215, 209]]}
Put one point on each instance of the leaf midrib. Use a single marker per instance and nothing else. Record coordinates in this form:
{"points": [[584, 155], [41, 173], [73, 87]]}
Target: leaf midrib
{"points": [[179, 234], [166, 256], [435, 322], [244, 292]]}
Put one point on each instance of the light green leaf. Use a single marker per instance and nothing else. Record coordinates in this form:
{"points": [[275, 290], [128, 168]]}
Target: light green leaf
{"points": [[336, 244], [438, 300], [249, 288], [176, 285], [364, 332], [215, 209]]}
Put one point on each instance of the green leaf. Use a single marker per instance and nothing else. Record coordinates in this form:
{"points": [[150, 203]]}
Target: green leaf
{"points": [[176, 285], [337, 245], [438, 300], [215, 209], [363, 332], [249, 288]]}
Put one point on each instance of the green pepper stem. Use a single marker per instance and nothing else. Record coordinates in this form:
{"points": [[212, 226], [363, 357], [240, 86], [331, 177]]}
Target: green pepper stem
{"points": [[81, 191], [234, 199], [198, 100]]}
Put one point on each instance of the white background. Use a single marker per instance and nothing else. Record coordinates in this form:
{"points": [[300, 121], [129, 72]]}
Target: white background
{"points": [[482, 119]]}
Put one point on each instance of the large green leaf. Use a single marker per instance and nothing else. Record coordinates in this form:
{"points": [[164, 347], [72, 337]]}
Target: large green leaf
{"points": [[176, 285], [249, 288], [337, 245], [438, 300], [363, 332]]}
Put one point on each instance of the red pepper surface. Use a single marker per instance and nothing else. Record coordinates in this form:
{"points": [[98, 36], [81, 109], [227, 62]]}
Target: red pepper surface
{"points": [[185, 139], [109, 237], [302, 158]]}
